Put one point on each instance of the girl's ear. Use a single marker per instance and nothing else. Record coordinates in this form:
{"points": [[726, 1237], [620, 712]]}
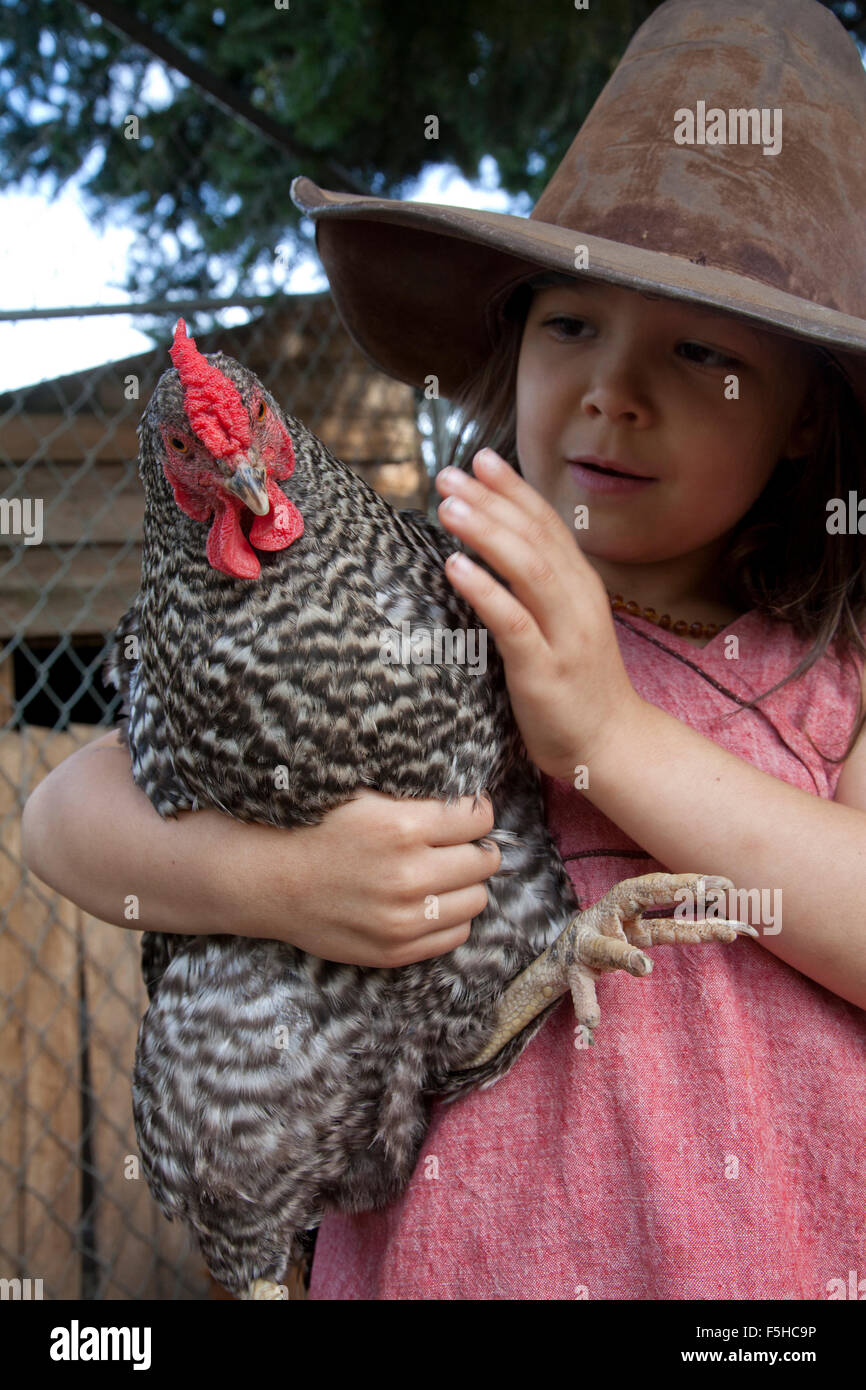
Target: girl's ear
{"points": [[803, 436]]}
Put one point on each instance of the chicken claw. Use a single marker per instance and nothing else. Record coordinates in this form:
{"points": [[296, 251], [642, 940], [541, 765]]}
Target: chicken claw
{"points": [[263, 1289], [603, 937]]}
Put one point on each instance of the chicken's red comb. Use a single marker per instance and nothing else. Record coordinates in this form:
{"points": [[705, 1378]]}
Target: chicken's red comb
{"points": [[213, 403]]}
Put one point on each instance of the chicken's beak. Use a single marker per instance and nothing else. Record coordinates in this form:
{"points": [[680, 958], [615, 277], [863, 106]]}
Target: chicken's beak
{"points": [[249, 483]]}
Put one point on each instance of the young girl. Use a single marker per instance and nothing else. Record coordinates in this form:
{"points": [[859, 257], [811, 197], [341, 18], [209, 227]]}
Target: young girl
{"points": [[709, 1144]]}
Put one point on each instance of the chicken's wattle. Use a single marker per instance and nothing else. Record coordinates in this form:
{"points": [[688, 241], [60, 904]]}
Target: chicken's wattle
{"points": [[219, 419], [230, 551]]}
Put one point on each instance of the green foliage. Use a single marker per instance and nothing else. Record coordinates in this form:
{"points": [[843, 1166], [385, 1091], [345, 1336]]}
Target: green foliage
{"points": [[352, 82]]}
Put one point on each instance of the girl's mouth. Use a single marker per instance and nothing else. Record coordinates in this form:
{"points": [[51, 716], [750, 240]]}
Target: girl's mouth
{"points": [[592, 478]]}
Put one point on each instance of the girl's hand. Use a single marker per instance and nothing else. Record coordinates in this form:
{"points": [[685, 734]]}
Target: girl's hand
{"points": [[569, 689], [378, 882]]}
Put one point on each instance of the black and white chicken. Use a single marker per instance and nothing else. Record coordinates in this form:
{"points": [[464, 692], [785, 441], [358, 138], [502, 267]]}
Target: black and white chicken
{"points": [[264, 673]]}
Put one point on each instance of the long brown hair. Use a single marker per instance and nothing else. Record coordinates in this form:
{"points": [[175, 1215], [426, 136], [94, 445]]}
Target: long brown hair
{"points": [[780, 560]]}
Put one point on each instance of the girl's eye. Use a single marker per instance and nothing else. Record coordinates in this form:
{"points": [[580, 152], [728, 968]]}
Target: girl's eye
{"points": [[565, 319], [179, 445], [722, 359], [569, 327], [260, 413]]}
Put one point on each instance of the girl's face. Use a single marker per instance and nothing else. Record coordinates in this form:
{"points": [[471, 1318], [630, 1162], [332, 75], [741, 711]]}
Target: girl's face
{"points": [[644, 382]]}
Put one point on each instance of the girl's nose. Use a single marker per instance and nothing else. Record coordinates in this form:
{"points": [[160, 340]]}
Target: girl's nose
{"points": [[615, 393]]}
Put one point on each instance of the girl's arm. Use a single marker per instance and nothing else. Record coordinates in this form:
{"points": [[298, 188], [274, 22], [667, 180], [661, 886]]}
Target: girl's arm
{"points": [[696, 806], [352, 888]]}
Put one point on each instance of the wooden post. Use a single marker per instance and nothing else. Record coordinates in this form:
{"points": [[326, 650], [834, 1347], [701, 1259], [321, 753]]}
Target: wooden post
{"points": [[40, 1059]]}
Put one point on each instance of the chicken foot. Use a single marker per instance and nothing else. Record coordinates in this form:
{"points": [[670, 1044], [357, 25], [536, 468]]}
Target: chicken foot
{"points": [[604, 937]]}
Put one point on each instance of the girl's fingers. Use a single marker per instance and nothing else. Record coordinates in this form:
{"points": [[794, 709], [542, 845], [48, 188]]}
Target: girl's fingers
{"points": [[427, 947], [527, 564], [513, 626], [459, 824], [455, 868], [520, 536], [505, 497]]}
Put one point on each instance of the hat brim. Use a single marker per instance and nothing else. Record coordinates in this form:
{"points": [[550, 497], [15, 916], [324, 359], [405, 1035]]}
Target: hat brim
{"points": [[411, 282]]}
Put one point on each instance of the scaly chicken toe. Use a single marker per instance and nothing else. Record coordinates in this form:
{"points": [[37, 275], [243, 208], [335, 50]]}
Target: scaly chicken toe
{"points": [[263, 1289], [604, 937]]}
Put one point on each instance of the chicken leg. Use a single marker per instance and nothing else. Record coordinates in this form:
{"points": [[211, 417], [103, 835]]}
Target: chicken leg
{"points": [[604, 937]]}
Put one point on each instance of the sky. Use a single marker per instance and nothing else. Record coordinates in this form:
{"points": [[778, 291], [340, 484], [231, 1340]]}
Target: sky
{"points": [[50, 255]]}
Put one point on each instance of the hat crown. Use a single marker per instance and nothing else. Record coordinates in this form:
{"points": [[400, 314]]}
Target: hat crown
{"points": [[778, 238], [672, 157]]}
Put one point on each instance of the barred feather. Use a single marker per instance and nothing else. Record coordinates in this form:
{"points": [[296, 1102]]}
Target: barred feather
{"points": [[269, 1083]]}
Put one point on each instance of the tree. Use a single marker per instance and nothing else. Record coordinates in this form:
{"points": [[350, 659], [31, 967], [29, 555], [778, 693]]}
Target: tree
{"points": [[352, 83]]}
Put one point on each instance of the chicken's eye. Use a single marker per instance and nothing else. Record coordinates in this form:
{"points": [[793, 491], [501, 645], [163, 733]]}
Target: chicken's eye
{"points": [[260, 413], [179, 445]]}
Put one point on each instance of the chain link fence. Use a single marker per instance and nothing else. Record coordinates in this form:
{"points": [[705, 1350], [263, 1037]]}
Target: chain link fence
{"points": [[76, 1218]]}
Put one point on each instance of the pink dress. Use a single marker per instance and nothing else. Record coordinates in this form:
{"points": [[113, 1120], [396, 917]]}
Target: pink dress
{"points": [[710, 1144]]}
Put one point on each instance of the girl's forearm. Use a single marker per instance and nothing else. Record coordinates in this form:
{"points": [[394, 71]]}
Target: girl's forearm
{"points": [[90, 833], [697, 807]]}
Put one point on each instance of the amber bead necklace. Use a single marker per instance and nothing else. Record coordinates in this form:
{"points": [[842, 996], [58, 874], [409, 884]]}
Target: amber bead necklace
{"points": [[680, 628]]}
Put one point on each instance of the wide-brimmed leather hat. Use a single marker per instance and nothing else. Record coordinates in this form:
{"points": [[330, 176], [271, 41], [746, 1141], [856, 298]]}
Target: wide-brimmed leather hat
{"points": [[723, 163]]}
